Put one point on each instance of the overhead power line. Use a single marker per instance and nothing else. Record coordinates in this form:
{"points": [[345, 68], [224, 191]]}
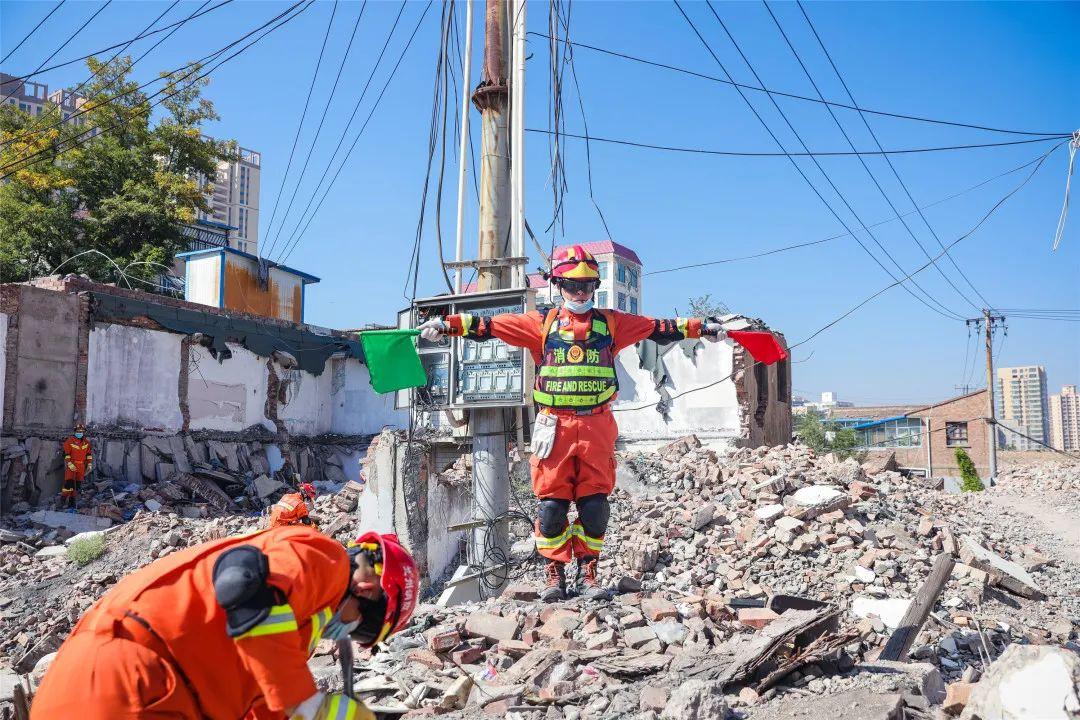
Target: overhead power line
{"points": [[35, 126], [822, 153], [82, 138], [303, 116], [888, 160], [945, 312], [367, 120], [67, 40], [837, 236], [794, 96], [862, 161], [32, 31], [42, 71]]}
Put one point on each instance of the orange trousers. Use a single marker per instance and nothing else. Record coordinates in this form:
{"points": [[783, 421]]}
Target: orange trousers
{"points": [[581, 463]]}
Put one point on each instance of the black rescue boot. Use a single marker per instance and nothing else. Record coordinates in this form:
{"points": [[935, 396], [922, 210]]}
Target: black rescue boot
{"points": [[554, 589]]}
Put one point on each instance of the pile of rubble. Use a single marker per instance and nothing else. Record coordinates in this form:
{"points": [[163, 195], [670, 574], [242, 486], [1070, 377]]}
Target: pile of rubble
{"points": [[759, 583], [229, 475], [764, 581]]}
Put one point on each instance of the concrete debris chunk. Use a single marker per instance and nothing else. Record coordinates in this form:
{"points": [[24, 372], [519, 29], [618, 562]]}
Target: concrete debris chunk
{"points": [[1028, 681], [1003, 573], [696, 700]]}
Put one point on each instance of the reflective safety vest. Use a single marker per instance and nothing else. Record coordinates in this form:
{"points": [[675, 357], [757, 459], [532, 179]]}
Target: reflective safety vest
{"points": [[576, 374]]}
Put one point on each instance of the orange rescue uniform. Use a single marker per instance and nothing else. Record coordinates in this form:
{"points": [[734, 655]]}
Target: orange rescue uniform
{"points": [[78, 461], [156, 646], [289, 510], [582, 460]]}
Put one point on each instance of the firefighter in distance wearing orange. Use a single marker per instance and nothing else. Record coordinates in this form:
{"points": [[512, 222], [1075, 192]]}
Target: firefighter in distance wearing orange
{"points": [[294, 508], [78, 462]]}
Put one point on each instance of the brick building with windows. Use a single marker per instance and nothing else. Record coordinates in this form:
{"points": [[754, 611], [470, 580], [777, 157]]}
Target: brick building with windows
{"points": [[924, 438]]}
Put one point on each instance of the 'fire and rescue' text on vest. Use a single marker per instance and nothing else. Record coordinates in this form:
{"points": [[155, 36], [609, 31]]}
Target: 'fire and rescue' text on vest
{"points": [[576, 374]]}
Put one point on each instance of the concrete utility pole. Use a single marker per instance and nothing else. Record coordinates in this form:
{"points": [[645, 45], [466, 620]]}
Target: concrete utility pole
{"points": [[989, 321], [491, 472], [463, 143]]}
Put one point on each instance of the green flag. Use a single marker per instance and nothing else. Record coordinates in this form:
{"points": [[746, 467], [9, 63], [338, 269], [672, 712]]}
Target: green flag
{"points": [[392, 360]]}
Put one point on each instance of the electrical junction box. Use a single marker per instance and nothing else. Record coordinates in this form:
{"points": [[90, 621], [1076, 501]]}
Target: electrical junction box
{"points": [[465, 373]]}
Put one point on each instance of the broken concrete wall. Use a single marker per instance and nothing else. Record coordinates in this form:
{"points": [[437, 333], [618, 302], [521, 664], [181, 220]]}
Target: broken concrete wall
{"points": [[765, 400], [411, 500], [227, 395], [132, 378], [3, 357], [356, 409], [711, 412], [307, 408], [41, 390]]}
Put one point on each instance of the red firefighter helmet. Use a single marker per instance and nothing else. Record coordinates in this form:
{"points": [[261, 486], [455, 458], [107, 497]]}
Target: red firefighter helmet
{"points": [[307, 491], [399, 578], [574, 262]]}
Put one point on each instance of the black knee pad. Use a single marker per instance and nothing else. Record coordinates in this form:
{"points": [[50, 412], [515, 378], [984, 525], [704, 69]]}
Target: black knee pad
{"points": [[553, 516], [593, 513]]}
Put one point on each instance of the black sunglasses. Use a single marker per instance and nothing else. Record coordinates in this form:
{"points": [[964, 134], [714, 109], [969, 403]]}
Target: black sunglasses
{"points": [[578, 285]]}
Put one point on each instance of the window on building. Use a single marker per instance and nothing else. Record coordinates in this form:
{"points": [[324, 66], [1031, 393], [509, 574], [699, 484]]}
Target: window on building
{"points": [[604, 270], [956, 434], [622, 301], [633, 305], [631, 277], [620, 272], [601, 299]]}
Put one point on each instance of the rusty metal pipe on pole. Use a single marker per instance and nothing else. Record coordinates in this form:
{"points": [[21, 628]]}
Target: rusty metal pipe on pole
{"points": [[463, 142], [517, 128], [491, 472]]}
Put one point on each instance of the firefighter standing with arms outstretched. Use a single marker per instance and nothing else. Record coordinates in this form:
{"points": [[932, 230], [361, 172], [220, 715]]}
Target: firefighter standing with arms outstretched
{"points": [[573, 441]]}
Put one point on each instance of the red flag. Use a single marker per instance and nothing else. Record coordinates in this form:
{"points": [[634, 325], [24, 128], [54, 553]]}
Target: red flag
{"points": [[763, 346]]}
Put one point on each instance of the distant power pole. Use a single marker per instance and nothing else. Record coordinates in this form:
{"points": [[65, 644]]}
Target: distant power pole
{"points": [[989, 319]]}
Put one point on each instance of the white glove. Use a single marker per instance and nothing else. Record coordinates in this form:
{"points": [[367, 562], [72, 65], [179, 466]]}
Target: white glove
{"points": [[713, 332], [432, 329], [543, 435]]}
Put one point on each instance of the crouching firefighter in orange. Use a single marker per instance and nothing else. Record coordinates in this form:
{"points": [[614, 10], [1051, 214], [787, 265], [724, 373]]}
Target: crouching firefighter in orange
{"points": [[573, 441], [223, 630]]}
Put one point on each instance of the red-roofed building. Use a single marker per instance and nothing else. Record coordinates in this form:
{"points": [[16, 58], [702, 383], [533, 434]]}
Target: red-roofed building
{"points": [[620, 277]]}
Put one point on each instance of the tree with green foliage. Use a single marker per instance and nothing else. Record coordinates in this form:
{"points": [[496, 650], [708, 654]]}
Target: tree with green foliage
{"points": [[825, 437], [704, 306], [968, 473], [122, 183]]}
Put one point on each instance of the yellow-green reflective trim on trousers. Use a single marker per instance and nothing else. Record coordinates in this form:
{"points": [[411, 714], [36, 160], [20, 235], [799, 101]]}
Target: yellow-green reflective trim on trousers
{"points": [[280, 620], [546, 543], [577, 371], [318, 622], [592, 543], [572, 400]]}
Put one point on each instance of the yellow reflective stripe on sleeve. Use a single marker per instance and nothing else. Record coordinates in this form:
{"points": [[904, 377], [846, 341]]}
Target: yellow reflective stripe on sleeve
{"points": [[280, 620], [466, 323], [577, 371], [318, 622], [596, 544], [684, 326], [341, 708], [546, 543]]}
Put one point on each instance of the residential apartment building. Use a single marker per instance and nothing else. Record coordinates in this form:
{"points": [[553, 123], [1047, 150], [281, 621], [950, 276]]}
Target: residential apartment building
{"points": [[234, 201], [30, 97], [1065, 419], [69, 103], [1021, 404]]}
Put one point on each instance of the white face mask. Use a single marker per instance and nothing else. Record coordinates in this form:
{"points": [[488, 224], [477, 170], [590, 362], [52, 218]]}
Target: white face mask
{"points": [[578, 307], [337, 630]]}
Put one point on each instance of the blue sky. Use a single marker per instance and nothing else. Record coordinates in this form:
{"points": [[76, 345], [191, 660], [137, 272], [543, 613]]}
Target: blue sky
{"points": [[1009, 65]]}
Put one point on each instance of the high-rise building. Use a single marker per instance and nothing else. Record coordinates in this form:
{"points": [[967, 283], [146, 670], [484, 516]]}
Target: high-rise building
{"points": [[1021, 403], [235, 200], [69, 102], [1065, 419], [30, 97]]}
